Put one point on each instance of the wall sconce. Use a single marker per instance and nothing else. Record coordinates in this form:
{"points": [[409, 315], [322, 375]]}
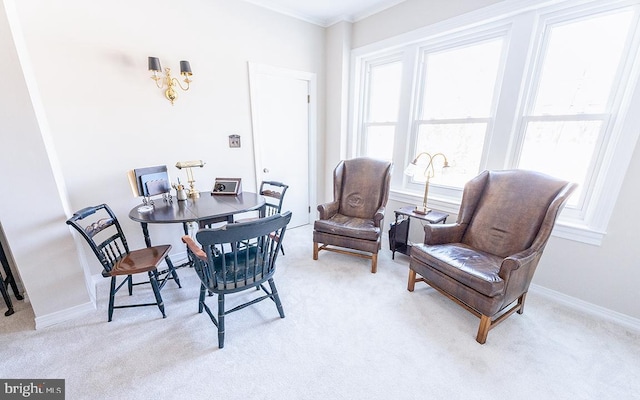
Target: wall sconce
{"points": [[167, 80], [429, 172]]}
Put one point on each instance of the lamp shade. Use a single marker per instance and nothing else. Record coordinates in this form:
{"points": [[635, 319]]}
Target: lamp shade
{"points": [[185, 68], [154, 64], [410, 170]]}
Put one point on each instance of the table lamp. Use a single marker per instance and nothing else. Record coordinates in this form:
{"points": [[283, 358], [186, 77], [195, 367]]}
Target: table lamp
{"points": [[429, 172], [193, 193]]}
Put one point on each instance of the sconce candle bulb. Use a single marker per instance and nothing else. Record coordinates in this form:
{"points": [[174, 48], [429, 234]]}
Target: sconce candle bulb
{"points": [[167, 80]]}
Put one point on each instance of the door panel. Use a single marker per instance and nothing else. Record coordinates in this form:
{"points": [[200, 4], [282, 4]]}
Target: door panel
{"points": [[280, 115]]}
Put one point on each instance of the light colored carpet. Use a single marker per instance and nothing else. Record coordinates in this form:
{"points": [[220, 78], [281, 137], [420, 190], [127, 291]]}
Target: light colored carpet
{"points": [[348, 334]]}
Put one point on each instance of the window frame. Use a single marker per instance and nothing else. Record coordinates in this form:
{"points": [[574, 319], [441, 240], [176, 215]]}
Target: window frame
{"points": [[365, 124], [523, 24], [451, 42]]}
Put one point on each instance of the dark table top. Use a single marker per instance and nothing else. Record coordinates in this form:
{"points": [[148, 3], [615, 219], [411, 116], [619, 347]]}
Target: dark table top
{"points": [[207, 206], [433, 217]]}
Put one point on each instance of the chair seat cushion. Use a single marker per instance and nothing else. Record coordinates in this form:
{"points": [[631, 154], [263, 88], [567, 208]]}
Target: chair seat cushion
{"points": [[475, 269], [143, 260], [239, 269], [353, 227]]}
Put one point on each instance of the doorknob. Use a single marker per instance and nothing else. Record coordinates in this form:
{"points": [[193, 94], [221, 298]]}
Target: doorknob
{"points": [[266, 170]]}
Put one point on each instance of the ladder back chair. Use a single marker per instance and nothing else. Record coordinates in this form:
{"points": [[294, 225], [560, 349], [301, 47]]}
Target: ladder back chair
{"points": [[273, 193], [99, 226]]}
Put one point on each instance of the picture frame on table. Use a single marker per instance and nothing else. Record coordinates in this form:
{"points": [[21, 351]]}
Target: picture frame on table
{"points": [[227, 186]]}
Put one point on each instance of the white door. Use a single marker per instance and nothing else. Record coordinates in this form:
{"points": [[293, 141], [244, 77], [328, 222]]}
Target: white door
{"points": [[281, 113]]}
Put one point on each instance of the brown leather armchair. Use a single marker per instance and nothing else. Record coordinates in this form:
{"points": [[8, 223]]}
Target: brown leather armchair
{"points": [[486, 260], [353, 219]]}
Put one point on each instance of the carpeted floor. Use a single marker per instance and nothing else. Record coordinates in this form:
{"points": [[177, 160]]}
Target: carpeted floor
{"points": [[348, 334]]}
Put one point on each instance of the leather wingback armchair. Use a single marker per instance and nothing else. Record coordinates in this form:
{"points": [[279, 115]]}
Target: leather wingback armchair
{"points": [[353, 219], [486, 260]]}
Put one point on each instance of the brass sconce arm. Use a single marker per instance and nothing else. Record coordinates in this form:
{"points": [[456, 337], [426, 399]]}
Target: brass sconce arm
{"points": [[429, 172]]}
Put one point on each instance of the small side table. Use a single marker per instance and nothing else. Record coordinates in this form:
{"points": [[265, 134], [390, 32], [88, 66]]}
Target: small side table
{"points": [[399, 230]]}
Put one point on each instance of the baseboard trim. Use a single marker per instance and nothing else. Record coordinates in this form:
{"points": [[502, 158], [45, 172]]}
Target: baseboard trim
{"points": [[64, 315], [588, 308]]}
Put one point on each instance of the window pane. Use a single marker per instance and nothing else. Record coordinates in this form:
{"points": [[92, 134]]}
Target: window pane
{"points": [[379, 142], [384, 92], [563, 149], [462, 144], [460, 83], [580, 65]]}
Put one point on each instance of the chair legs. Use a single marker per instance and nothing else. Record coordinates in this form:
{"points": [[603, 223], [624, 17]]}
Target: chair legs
{"points": [[276, 298], [218, 320], [483, 329], [411, 284], [373, 257], [153, 275], [112, 295], [173, 271], [486, 322], [153, 280]]}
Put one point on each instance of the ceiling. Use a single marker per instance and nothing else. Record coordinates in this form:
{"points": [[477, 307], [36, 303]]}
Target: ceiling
{"points": [[326, 12]]}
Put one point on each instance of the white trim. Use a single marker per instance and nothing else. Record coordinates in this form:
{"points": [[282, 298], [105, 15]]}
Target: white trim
{"points": [[588, 308], [67, 314]]}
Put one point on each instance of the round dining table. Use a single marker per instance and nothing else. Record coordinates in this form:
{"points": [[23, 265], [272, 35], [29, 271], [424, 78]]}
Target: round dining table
{"points": [[207, 207]]}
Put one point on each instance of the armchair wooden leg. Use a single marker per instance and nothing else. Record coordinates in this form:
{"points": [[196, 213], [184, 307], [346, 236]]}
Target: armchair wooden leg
{"points": [[315, 250], [483, 330], [521, 303], [374, 263], [412, 280]]}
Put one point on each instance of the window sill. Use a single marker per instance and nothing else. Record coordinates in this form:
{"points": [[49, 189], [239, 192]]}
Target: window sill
{"points": [[562, 229]]}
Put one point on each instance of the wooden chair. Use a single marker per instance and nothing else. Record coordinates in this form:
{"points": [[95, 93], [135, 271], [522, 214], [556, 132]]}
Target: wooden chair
{"points": [[107, 241], [234, 258], [273, 193]]}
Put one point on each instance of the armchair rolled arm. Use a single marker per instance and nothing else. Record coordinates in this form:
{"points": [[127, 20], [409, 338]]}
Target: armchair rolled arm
{"points": [[328, 210], [379, 216], [523, 259], [443, 233]]}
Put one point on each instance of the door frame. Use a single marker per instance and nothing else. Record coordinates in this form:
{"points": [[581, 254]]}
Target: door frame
{"points": [[257, 69]]}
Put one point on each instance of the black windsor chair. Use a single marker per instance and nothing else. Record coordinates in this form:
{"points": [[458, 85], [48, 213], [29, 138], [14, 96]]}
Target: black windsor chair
{"points": [[250, 262]]}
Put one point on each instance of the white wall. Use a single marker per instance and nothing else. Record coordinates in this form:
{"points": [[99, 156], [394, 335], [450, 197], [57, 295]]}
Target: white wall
{"points": [[106, 116], [606, 276], [33, 208], [338, 55]]}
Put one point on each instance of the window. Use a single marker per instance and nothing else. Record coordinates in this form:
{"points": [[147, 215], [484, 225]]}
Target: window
{"points": [[381, 109], [545, 88], [457, 98], [567, 121]]}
